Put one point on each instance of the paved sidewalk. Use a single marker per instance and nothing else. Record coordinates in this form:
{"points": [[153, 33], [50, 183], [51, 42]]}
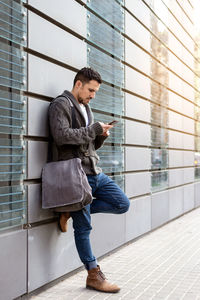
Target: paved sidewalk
{"points": [[164, 264]]}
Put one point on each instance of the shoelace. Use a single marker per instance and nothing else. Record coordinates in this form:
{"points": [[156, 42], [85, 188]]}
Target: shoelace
{"points": [[102, 275]]}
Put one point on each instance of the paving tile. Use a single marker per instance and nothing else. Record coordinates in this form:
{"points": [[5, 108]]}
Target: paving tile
{"points": [[162, 265]]}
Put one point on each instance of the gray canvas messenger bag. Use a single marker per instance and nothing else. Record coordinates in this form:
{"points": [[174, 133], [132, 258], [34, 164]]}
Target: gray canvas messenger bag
{"points": [[64, 183]]}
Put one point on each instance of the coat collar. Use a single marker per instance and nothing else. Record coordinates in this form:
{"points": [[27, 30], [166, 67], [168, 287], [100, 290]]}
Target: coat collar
{"points": [[77, 106]]}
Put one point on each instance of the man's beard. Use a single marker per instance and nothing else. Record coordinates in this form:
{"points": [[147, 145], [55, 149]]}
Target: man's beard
{"points": [[80, 100]]}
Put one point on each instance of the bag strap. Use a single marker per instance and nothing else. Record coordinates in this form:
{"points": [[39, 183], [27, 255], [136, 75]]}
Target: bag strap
{"points": [[74, 123]]}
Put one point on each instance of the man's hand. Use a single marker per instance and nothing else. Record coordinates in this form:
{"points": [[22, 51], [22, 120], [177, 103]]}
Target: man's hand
{"points": [[105, 128], [107, 133]]}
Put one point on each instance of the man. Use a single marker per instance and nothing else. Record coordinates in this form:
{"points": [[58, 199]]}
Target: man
{"points": [[82, 141]]}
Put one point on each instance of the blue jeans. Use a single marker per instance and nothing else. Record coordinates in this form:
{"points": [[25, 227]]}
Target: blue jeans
{"points": [[108, 198]]}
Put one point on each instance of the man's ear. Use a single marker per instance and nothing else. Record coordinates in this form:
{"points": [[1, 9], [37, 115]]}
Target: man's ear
{"points": [[78, 84]]}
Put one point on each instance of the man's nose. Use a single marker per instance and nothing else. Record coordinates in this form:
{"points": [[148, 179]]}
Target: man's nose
{"points": [[92, 95]]}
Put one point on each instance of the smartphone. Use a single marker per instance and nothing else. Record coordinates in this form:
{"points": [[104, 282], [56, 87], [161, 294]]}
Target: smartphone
{"points": [[113, 122]]}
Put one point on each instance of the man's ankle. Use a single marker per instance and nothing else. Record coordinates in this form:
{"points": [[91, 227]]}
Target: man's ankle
{"points": [[91, 265]]}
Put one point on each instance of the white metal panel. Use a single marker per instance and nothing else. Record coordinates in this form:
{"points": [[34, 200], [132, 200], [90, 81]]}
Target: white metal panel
{"points": [[175, 202], [175, 120], [51, 254], [196, 194], [176, 27], [174, 45], [137, 159], [188, 200], [188, 108], [137, 32], [175, 158], [181, 158], [187, 74], [161, 11], [37, 117], [190, 13], [191, 2], [180, 51], [137, 133], [35, 211], [159, 208], [56, 42], [149, 2], [188, 141], [138, 218], [180, 87], [187, 91], [179, 68], [188, 158], [140, 10], [176, 177], [136, 57], [180, 104], [13, 259], [65, 12], [175, 139], [137, 83], [174, 63], [48, 79], [108, 228], [37, 157], [137, 108], [187, 57], [188, 174], [175, 102], [180, 15], [137, 184]]}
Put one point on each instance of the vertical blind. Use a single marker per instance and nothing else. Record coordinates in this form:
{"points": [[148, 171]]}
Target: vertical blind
{"points": [[105, 25], [12, 114]]}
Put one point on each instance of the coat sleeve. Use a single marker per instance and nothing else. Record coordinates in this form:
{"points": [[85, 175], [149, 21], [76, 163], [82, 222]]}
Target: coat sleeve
{"points": [[98, 143], [60, 126]]}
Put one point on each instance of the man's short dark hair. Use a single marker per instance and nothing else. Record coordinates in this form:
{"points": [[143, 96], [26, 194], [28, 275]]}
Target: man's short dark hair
{"points": [[87, 74]]}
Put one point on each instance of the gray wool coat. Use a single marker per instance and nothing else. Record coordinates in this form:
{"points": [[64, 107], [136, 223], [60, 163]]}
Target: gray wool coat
{"points": [[71, 142]]}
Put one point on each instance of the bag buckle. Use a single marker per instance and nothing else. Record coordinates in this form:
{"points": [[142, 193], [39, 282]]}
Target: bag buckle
{"points": [[86, 153]]}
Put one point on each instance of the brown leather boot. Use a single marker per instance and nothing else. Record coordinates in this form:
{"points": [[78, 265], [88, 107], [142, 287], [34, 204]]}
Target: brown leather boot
{"points": [[62, 222], [96, 280]]}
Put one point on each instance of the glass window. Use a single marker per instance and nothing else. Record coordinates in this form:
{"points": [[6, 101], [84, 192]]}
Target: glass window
{"points": [[12, 114], [197, 102], [105, 22], [159, 180], [159, 92], [160, 99]]}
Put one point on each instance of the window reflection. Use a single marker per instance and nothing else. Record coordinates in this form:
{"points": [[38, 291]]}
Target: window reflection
{"points": [[12, 114], [159, 159], [109, 101], [159, 97], [197, 102], [159, 180]]}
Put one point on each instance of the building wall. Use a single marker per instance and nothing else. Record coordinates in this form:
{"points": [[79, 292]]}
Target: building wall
{"points": [[160, 105], [159, 123]]}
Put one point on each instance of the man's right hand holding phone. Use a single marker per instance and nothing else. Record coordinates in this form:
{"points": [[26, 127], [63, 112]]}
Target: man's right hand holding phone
{"points": [[106, 127]]}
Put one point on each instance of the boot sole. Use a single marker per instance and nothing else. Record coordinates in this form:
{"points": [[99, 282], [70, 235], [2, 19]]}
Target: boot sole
{"points": [[109, 292]]}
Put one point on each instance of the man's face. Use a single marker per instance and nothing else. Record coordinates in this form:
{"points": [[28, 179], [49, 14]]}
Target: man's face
{"points": [[87, 91]]}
